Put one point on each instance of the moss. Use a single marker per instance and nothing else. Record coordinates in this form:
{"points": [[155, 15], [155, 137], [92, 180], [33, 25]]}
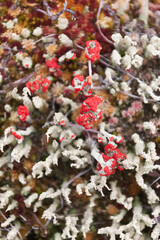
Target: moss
{"points": [[33, 157]]}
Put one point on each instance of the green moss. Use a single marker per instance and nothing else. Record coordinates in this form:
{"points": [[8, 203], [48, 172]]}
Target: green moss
{"points": [[63, 66], [33, 157], [54, 79], [73, 211], [121, 20], [93, 228], [122, 53], [157, 140], [115, 133], [43, 158], [39, 192], [75, 67], [88, 38]]}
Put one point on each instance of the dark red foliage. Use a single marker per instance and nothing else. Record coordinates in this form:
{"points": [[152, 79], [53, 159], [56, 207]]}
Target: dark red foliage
{"points": [[62, 50], [89, 28], [80, 98], [83, 2], [53, 5], [80, 21], [3, 39], [18, 198], [67, 92], [106, 47], [39, 53], [47, 22], [17, 44], [8, 17], [70, 25], [2, 29], [8, 3], [86, 23], [78, 53], [37, 14], [37, 23], [31, 1], [72, 31], [93, 6], [11, 63], [81, 41], [6, 51], [47, 30]]}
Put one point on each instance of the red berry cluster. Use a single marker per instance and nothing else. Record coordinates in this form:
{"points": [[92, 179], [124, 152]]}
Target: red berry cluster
{"points": [[73, 56], [54, 68], [15, 134], [92, 50], [62, 122], [90, 112], [37, 83], [111, 159], [81, 84], [23, 112]]}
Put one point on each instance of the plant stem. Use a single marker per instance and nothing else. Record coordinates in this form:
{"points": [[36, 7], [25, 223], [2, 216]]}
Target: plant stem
{"points": [[90, 68]]}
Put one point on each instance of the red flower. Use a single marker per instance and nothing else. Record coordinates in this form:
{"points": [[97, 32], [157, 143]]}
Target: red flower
{"points": [[118, 155], [73, 56], [89, 80], [100, 140], [85, 120], [45, 84], [91, 104], [109, 147], [33, 86], [54, 67], [61, 139], [52, 63], [110, 166], [112, 160], [62, 122], [15, 134], [23, 112], [92, 50], [100, 114], [78, 83], [89, 112], [37, 83]]}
